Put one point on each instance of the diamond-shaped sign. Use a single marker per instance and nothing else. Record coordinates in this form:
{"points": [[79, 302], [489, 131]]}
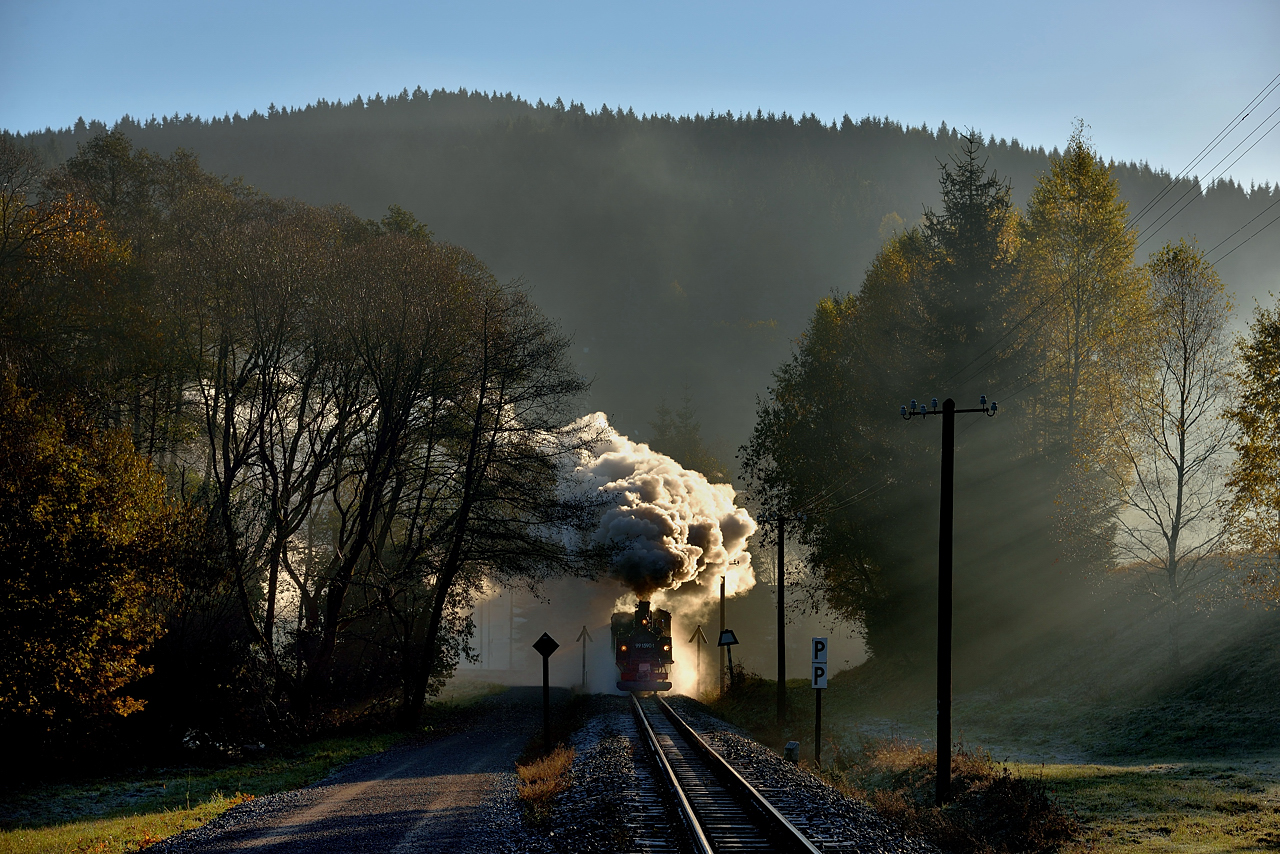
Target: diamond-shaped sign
{"points": [[546, 645]]}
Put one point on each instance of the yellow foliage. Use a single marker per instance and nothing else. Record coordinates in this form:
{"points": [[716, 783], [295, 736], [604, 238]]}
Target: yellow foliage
{"points": [[88, 541]]}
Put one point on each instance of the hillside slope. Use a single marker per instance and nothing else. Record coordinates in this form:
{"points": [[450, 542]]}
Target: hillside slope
{"points": [[680, 252]]}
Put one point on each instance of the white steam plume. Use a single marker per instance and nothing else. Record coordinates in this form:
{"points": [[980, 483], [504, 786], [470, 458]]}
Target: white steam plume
{"points": [[677, 533]]}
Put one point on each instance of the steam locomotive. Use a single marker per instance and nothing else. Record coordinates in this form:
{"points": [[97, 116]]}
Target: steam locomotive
{"points": [[642, 648]]}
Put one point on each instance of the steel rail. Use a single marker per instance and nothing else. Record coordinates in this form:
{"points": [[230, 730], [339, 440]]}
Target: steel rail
{"points": [[783, 830], [697, 836]]}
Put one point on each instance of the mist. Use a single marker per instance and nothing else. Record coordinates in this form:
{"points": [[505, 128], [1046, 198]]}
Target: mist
{"points": [[675, 536], [698, 245]]}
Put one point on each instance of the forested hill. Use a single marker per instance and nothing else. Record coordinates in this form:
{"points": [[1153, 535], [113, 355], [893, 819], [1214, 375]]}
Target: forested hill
{"points": [[680, 252]]}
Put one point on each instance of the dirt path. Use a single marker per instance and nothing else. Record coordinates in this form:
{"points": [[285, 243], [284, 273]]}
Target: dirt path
{"points": [[452, 794]]}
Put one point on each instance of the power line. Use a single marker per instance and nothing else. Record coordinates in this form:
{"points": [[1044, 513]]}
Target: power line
{"points": [[1133, 220], [1240, 229], [1230, 126], [1250, 237], [1209, 181]]}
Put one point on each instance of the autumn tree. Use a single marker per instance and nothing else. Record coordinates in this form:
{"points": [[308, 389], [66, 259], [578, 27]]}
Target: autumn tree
{"points": [[69, 320], [91, 546], [1171, 523], [1255, 472], [1085, 313], [371, 423], [509, 516]]}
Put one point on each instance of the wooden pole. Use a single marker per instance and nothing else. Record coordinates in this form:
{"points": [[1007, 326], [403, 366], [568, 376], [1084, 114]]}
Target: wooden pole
{"points": [[946, 518], [817, 730], [722, 632], [782, 625]]}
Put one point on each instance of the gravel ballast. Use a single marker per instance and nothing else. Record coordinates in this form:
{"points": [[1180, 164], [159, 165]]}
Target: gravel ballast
{"points": [[611, 781]]}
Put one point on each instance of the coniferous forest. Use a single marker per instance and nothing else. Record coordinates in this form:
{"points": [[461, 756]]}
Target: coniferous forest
{"points": [[678, 252]]}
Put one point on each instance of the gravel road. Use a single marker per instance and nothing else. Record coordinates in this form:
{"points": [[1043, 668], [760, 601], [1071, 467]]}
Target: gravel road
{"points": [[453, 794]]}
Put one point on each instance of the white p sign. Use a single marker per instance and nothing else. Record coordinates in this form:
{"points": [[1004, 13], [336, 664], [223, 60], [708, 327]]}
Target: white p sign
{"points": [[820, 649], [819, 674]]}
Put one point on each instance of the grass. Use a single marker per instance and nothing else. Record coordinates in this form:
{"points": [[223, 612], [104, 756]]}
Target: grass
{"points": [[541, 780], [1188, 808], [134, 810], [1148, 753], [566, 718], [125, 833], [137, 808], [993, 809]]}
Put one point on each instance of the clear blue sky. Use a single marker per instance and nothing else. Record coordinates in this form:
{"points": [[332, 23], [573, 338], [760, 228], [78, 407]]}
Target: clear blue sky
{"points": [[1154, 80]]}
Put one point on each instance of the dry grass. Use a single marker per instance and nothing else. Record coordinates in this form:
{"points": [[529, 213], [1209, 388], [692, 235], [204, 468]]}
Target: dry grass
{"points": [[541, 780], [993, 810]]}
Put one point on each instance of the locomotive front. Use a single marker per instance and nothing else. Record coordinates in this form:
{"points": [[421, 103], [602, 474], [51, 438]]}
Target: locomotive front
{"points": [[642, 648]]}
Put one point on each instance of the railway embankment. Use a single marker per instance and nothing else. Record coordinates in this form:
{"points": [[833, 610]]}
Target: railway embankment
{"points": [[617, 800]]}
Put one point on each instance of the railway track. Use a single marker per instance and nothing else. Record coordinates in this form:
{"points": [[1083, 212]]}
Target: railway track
{"points": [[719, 810]]}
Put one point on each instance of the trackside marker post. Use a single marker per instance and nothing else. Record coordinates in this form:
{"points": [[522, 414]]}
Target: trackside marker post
{"points": [[544, 646], [702, 640], [727, 640], [819, 681], [584, 636]]}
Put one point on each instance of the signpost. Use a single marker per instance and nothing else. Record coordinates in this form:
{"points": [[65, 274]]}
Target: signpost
{"points": [[727, 641], [584, 636], [819, 682], [546, 645], [701, 639]]}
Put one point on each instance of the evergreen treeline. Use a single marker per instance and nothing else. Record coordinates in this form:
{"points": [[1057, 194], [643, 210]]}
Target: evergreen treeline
{"points": [[256, 457], [678, 251]]}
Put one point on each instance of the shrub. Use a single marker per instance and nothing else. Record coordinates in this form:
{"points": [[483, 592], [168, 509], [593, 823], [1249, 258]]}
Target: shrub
{"points": [[541, 780], [991, 812], [88, 544]]}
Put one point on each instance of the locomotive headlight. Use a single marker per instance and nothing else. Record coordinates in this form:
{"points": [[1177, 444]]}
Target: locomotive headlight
{"points": [[666, 646], [624, 647]]}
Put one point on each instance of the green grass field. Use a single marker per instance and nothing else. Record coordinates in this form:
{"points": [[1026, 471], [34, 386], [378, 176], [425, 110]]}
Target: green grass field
{"points": [[137, 809], [1189, 808]]}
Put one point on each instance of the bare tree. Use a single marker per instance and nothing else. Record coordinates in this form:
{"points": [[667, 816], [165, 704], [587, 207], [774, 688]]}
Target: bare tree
{"points": [[508, 515], [1174, 437]]}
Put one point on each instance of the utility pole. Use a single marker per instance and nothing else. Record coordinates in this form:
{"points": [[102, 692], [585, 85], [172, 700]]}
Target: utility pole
{"points": [[946, 516], [782, 624], [781, 519], [722, 633]]}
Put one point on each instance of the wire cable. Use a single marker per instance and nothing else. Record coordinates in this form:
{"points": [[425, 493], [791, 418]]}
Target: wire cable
{"points": [[1250, 237], [1134, 219], [1197, 189], [1240, 229]]}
